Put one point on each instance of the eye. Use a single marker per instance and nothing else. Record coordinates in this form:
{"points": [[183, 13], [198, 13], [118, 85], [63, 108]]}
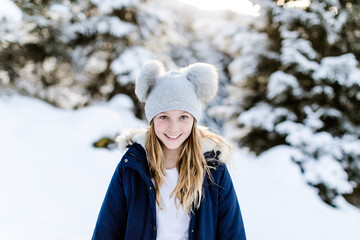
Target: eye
{"points": [[184, 117], [163, 117]]}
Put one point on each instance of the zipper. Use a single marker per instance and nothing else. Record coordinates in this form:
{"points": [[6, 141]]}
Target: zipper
{"points": [[191, 227], [152, 185], [130, 153]]}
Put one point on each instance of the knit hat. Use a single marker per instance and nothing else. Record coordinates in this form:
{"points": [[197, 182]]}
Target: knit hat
{"points": [[186, 89]]}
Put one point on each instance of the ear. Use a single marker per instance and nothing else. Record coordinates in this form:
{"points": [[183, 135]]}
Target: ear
{"points": [[147, 77], [205, 79]]}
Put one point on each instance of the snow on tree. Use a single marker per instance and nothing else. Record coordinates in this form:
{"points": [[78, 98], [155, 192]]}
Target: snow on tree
{"points": [[72, 53], [10, 17], [54, 60], [295, 75], [68, 53], [316, 78]]}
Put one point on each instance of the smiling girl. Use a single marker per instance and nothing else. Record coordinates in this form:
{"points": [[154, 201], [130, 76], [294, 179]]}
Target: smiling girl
{"points": [[172, 183]]}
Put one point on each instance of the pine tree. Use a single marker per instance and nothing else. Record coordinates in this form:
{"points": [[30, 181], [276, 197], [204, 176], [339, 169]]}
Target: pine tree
{"points": [[297, 83], [71, 53]]}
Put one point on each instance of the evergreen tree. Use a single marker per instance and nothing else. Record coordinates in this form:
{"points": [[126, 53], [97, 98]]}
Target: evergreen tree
{"points": [[71, 53], [297, 82]]}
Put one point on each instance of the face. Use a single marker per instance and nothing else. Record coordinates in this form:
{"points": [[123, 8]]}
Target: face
{"points": [[173, 128]]}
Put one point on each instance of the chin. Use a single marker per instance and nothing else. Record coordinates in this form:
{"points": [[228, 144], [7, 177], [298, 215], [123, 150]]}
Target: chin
{"points": [[172, 147]]}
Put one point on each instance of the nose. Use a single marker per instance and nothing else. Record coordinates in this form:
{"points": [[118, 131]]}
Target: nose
{"points": [[173, 126]]}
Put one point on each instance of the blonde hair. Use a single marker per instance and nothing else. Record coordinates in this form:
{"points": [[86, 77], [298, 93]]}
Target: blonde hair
{"points": [[192, 166]]}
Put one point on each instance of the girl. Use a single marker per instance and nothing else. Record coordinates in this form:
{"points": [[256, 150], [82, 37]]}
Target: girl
{"points": [[172, 182]]}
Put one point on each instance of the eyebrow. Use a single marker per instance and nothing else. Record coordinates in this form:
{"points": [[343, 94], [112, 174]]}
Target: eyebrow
{"points": [[180, 112]]}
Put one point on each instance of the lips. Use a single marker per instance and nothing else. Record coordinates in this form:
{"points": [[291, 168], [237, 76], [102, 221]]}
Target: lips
{"points": [[172, 137]]}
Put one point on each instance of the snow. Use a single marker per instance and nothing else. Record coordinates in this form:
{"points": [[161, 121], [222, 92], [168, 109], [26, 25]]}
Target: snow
{"points": [[242, 7], [342, 69], [330, 151], [106, 6], [251, 45], [298, 4], [280, 82], [237, 40], [52, 181], [115, 26], [4, 77], [312, 119], [326, 169], [103, 25], [277, 204], [10, 20], [264, 116], [326, 90], [97, 62], [351, 144], [128, 64], [303, 46], [294, 52], [287, 16], [60, 12], [333, 20], [314, 143], [9, 12]]}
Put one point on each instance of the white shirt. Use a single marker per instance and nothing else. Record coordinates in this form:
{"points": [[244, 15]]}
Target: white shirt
{"points": [[172, 223]]}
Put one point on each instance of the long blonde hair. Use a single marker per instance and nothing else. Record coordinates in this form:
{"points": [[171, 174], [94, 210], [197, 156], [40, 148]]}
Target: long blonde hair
{"points": [[192, 166]]}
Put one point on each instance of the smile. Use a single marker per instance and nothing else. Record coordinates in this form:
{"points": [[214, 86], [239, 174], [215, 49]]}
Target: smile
{"points": [[173, 137]]}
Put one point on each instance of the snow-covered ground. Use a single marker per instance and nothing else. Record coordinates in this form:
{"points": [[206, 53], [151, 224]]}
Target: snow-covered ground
{"points": [[52, 181]]}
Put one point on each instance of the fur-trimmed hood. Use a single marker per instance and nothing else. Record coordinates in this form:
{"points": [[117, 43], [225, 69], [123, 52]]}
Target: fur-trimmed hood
{"points": [[139, 136]]}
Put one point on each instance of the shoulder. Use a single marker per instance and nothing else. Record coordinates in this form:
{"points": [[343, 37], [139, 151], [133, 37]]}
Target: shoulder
{"points": [[131, 136], [214, 146], [216, 166], [134, 152]]}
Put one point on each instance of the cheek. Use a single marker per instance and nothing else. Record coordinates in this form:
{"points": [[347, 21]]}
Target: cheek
{"points": [[158, 128], [187, 128]]}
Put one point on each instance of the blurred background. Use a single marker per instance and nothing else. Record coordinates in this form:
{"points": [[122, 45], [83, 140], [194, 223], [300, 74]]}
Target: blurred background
{"points": [[289, 103]]}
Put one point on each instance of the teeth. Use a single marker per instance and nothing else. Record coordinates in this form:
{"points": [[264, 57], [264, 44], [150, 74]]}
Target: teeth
{"points": [[173, 136]]}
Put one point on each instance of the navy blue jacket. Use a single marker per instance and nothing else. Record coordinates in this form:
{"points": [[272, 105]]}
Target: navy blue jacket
{"points": [[129, 208]]}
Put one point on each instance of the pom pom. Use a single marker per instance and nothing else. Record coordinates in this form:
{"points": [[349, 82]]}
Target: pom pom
{"points": [[146, 80], [205, 79]]}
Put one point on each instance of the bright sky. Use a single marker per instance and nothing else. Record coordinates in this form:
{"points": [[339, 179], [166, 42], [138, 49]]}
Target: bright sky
{"points": [[240, 6]]}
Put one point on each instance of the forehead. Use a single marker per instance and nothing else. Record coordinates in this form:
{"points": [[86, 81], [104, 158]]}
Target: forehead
{"points": [[174, 112]]}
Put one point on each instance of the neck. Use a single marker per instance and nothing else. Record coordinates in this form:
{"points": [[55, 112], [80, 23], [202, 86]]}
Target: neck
{"points": [[171, 157]]}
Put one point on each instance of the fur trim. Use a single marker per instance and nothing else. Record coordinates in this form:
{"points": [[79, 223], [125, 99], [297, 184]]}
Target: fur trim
{"points": [[205, 79], [139, 136], [130, 136], [146, 80]]}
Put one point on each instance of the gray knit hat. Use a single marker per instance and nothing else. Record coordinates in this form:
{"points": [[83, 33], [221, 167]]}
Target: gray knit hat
{"points": [[186, 89]]}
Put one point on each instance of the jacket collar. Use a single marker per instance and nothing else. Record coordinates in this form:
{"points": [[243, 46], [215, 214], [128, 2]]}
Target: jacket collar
{"points": [[138, 136]]}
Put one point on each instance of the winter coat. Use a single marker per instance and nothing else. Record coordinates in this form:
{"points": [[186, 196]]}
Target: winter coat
{"points": [[129, 208]]}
